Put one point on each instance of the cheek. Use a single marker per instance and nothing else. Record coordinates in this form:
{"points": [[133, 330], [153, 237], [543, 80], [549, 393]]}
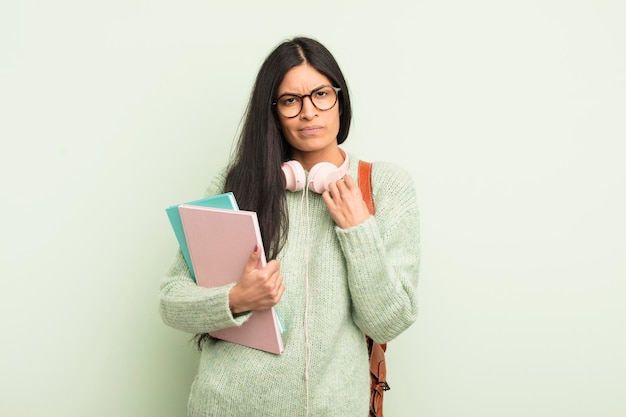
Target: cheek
{"points": [[288, 130], [336, 121]]}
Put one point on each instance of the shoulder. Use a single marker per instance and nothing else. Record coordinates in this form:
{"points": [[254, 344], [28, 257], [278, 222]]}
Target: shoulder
{"points": [[392, 187], [216, 184], [380, 169], [386, 173]]}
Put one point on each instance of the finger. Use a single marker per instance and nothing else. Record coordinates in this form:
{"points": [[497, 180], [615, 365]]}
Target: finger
{"points": [[341, 186], [273, 267], [253, 261], [345, 194], [275, 297], [350, 183], [281, 291], [333, 189], [280, 281], [328, 199]]}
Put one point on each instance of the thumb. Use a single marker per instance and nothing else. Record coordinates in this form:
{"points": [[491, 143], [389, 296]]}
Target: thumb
{"points": [[253, 261]]}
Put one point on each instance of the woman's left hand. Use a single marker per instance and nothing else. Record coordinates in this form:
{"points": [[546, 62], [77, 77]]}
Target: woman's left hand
{"points": [[345, 203]]}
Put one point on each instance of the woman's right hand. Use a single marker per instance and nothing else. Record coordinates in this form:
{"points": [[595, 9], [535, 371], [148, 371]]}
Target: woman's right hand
{"points": [[257, 289]]}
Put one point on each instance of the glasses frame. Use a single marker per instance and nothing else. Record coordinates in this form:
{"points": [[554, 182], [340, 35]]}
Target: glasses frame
{"points": [[310, 96]]}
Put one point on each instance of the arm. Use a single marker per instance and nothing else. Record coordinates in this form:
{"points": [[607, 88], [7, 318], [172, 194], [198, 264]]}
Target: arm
{"points": [[382, 257], [185, 306], [188, 307]]}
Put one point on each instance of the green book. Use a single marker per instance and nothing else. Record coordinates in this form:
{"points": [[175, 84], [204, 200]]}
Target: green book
{"points": [[221, 201]]}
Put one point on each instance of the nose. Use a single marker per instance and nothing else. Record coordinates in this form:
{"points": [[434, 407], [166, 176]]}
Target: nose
{"points": [[309, 110]]}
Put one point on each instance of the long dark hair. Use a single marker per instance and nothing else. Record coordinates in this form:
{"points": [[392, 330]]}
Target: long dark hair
{"points": [[254, 175]]}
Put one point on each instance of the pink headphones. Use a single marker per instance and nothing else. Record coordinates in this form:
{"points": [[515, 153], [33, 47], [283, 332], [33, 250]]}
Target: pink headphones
{"points": [[320, 176]]}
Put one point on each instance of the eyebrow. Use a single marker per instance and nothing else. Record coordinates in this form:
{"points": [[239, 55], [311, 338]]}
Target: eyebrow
{"points": [[300, 95]]}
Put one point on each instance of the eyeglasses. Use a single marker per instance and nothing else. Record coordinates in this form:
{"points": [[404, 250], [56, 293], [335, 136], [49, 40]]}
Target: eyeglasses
{"points": [[323, 98]]}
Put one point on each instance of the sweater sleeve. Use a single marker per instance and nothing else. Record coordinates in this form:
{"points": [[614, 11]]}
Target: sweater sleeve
{"points": [[185, 306], [383, 255]]}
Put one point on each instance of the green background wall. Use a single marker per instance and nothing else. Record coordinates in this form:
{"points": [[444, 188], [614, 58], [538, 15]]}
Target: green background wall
{"points": [[509, 115]]}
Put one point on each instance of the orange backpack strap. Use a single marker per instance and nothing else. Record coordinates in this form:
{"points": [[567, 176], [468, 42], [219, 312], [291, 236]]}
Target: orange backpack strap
{"points": [[365, 184], [378, 370]]}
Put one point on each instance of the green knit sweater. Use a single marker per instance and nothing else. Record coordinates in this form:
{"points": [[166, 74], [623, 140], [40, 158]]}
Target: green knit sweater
{"points": [[362, 280]]}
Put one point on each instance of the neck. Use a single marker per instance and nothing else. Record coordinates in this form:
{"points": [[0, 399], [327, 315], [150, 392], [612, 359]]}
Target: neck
{"points": [[333, 155]]}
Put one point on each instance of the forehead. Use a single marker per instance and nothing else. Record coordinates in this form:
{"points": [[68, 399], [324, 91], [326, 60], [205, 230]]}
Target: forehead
{"points": [[302, 79]]}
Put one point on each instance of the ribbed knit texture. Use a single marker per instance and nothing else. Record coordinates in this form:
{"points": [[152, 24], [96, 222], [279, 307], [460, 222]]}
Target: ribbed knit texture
{"points": [[362, 280]]}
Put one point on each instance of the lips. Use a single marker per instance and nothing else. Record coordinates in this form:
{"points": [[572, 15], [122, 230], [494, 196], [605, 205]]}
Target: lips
{"points": [[311, 130]]}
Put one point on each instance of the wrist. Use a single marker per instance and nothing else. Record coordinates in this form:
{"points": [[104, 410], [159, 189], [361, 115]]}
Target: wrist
{"points": [[234, 301]]}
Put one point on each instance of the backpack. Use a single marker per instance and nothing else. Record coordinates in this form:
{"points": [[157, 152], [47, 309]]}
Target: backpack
{"points": [[378, 370]]}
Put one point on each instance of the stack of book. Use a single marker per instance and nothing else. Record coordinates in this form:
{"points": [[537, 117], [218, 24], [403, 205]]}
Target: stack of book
{"points": [[216, 240]]}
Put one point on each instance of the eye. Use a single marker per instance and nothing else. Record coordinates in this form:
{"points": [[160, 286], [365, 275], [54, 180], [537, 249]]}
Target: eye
{"points": [[322, 93], [288, 101]]}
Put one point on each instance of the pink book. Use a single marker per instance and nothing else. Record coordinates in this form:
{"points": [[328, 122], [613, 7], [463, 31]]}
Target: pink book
{"points": [[220, 243]]}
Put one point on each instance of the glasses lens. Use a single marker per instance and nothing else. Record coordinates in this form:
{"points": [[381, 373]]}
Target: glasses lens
{"points": [[289, 106], [324, 98]]}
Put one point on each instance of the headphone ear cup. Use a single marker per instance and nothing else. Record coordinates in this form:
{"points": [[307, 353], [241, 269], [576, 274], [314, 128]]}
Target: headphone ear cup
{"points": [[322, 175], [294, 176]]}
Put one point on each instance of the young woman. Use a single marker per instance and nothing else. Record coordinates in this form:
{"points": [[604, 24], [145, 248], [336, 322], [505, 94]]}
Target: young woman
{"points": [[335, 273]]}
